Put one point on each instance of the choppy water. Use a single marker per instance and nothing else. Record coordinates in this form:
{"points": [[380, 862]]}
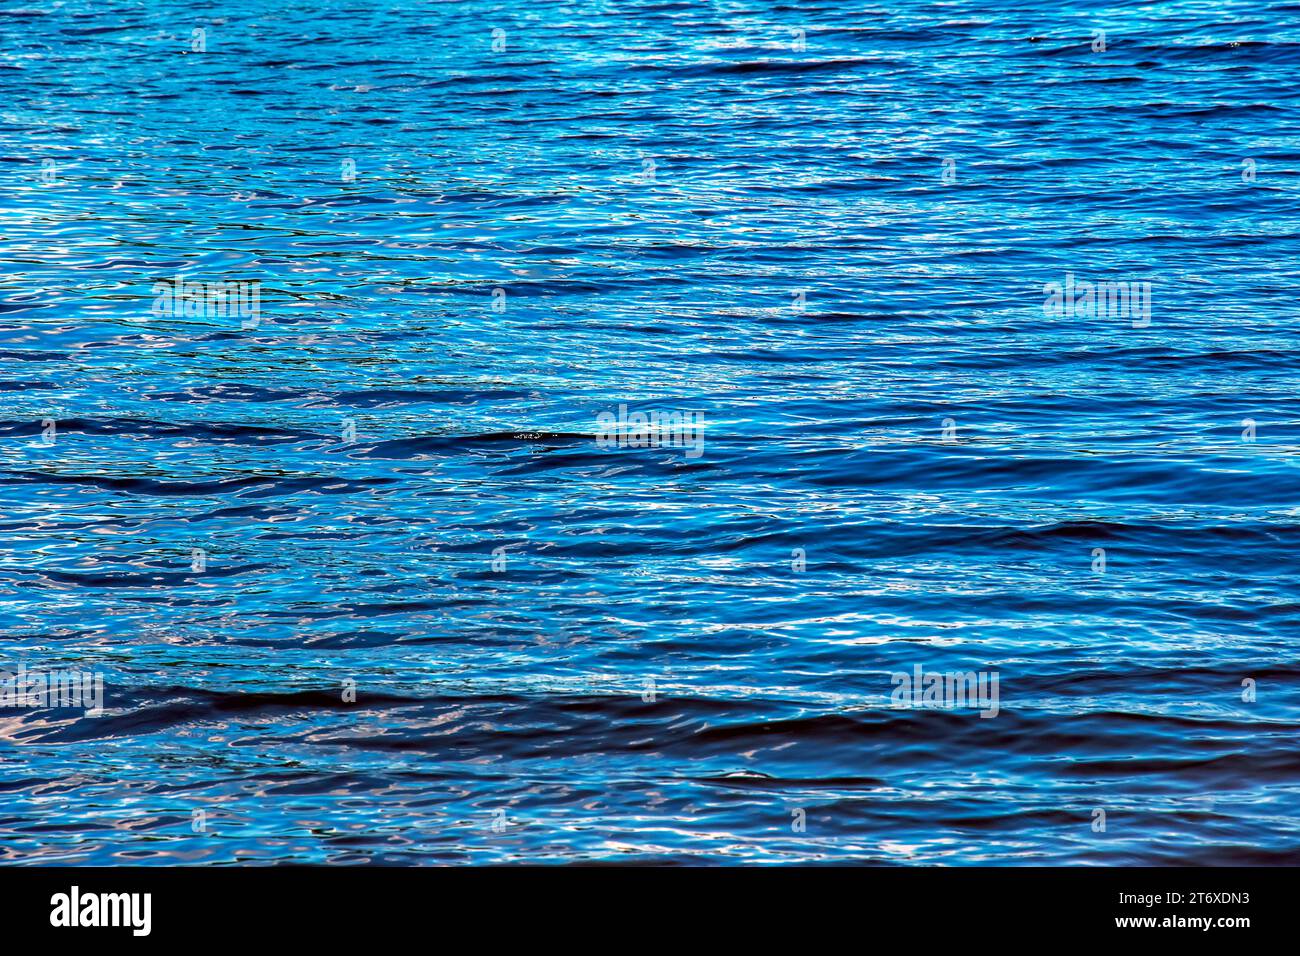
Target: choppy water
{"points": [[652, 185]]}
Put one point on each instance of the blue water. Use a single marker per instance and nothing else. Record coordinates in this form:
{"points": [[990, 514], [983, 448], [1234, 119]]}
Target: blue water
{"points": [[682, 655]]}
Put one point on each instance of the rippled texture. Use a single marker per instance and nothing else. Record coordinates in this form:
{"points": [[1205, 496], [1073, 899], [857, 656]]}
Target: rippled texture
{"points": [[651, 184]]}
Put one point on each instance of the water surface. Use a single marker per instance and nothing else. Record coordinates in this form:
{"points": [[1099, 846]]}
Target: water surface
{"points": [[736, 209]]}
